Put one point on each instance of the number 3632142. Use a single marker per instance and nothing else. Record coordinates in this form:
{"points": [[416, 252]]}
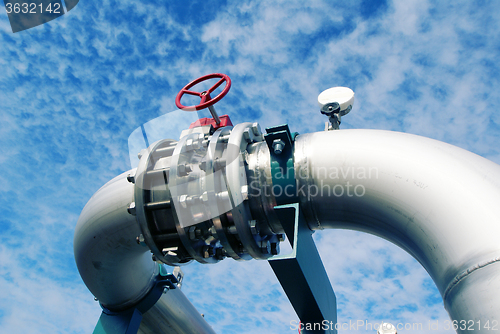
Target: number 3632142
{"points": [[33, 8]]}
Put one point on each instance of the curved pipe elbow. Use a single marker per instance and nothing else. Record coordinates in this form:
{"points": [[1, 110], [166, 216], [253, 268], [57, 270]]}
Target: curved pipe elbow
{"points": [[438, 202], [116, 269], [120, 272]]}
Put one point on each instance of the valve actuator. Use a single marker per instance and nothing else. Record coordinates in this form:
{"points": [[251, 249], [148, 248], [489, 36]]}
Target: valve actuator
{"points": [[208, 195]]}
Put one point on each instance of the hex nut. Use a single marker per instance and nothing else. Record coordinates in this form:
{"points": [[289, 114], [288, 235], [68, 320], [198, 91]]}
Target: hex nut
{"points": [[244, 191], [141, 153], [265, 247], [278, 146], [253, 227], [256, 129], [203, 165], [247, 136], [208, 251], [184, 169], [220, 254], [192, 233], [140, 239], [183, 201], [131, 208], [275, 248]]}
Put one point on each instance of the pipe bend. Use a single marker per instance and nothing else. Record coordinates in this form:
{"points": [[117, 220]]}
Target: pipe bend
{"points": [[118, 271], [438, 202]]}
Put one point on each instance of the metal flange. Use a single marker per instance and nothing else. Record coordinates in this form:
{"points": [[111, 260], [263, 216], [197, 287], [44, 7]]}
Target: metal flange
{"points": [[192, 198]]}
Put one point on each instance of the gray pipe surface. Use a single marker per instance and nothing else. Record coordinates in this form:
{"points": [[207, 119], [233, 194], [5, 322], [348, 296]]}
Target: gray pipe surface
{"points": [[438, 202], [118, 271]]}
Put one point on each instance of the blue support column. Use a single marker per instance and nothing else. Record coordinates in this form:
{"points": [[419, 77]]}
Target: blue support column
{"points": [[303, 276]]}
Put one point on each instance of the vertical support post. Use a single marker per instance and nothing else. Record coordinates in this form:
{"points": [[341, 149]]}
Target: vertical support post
{"points": [[303, 276]]}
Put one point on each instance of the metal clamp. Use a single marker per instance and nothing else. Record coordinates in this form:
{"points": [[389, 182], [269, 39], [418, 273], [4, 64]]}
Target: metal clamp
{"points": [[128, 321], [280, 140]]}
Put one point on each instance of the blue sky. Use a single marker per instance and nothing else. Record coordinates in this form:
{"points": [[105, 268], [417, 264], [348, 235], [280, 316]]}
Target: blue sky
{"points": [[74, 89]]}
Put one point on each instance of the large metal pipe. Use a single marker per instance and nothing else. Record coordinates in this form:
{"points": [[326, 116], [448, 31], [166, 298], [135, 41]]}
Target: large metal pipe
{"points": [[118, 271], [438, 202]]}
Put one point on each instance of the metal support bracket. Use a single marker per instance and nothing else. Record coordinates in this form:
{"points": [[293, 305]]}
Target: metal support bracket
{"points": [[303, 276], [129, 320], [280, 143]]}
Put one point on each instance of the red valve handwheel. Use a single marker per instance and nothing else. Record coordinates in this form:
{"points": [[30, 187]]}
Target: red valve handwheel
{"points": [[206, 99]]}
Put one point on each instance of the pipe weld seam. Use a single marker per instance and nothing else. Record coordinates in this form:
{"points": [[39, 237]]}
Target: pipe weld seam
{"points": [[466, 273]]}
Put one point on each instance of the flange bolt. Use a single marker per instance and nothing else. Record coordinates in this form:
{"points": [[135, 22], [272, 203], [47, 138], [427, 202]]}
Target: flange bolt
{"points": [[278, 146]]}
